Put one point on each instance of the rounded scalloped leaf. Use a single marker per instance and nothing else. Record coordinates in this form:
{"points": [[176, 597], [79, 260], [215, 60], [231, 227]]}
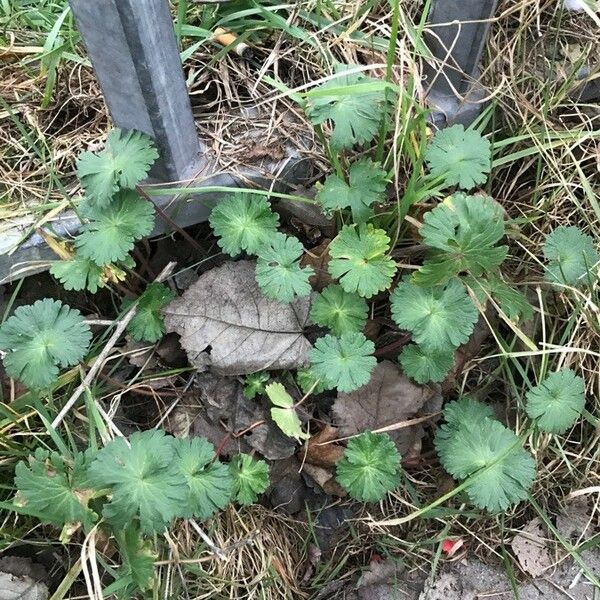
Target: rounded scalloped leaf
{"points": [[344, 362], [111, 232], [243, 222], [370, 467], [426, 365], [557, 402], [439, 317], [40, 338], [339, 310], [461, 157], [278, 270], [572, 257], [359, 260]]}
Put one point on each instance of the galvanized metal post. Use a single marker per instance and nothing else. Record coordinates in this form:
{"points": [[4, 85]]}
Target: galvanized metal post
{"points": [[132, 47], [456, 37]]}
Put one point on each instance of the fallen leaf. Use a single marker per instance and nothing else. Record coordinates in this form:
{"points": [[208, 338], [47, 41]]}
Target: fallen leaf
{"points": [[576, 523], [326, 455], [325, 479], [222, 410], [389, 398], [318, 258], [246, 331], [531, 550]]}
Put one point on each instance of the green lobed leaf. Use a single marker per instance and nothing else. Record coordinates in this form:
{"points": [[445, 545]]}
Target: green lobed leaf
{"points": [[243, 222], [40, 338], [284, 412], [462, 232], [557, 402], [344, 362], [60, 491], [306, 380], [370, 467], [367, 183], [477, 448], [110, 233], [356, 116], [250, 478], [439, 317], [512, 302], [340, 311], [148, 324], [145, 481], [210, 485], [125, 161], [138, 560], [78, 274], [359, 260], [278, 270], [254, 384], [426, 365], [461, 157], [573, 258]]}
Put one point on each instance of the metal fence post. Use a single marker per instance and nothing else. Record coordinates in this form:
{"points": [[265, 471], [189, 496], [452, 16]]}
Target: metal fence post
{"points": [[456, 37], [132, 47]]}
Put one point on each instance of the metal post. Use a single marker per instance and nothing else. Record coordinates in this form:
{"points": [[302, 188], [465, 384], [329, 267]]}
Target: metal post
{"points": [[132, 47], [456, 38]]}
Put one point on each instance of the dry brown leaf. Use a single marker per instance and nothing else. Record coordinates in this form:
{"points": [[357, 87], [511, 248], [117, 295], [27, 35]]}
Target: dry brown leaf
{"points": [[318, 258], [246, 331], [389, 398], [326, 455], [531, 549]]}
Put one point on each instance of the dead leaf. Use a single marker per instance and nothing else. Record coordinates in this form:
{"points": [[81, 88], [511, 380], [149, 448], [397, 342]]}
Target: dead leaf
{"points": [[325, 479], [326, 455], [318, 258], [576, 523], [531, 549], [389, 398], [221, 411], [246, 331]]}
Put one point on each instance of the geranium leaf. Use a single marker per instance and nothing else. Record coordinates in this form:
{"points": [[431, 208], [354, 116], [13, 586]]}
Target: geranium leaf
{"points": [[278, 270], [462, 232], [145, 481], [110, 232], [138, 560], [359, 260], [339, 310], [370, 467], [210, 484], [250, 478], [79, 273], [148, 324], [476, 447], [254, 384], [284, 413], [356, 115], [557, 402], [572, 257], [344, 362], [306, 380], [243, 222], [367, 182], [439, 317], [40, 338], [462, 157], [124, 162], [59, 491], [426, 365]]}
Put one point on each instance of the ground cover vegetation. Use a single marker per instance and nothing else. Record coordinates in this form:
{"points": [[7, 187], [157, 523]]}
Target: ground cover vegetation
{"points": [[441, 327]]}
